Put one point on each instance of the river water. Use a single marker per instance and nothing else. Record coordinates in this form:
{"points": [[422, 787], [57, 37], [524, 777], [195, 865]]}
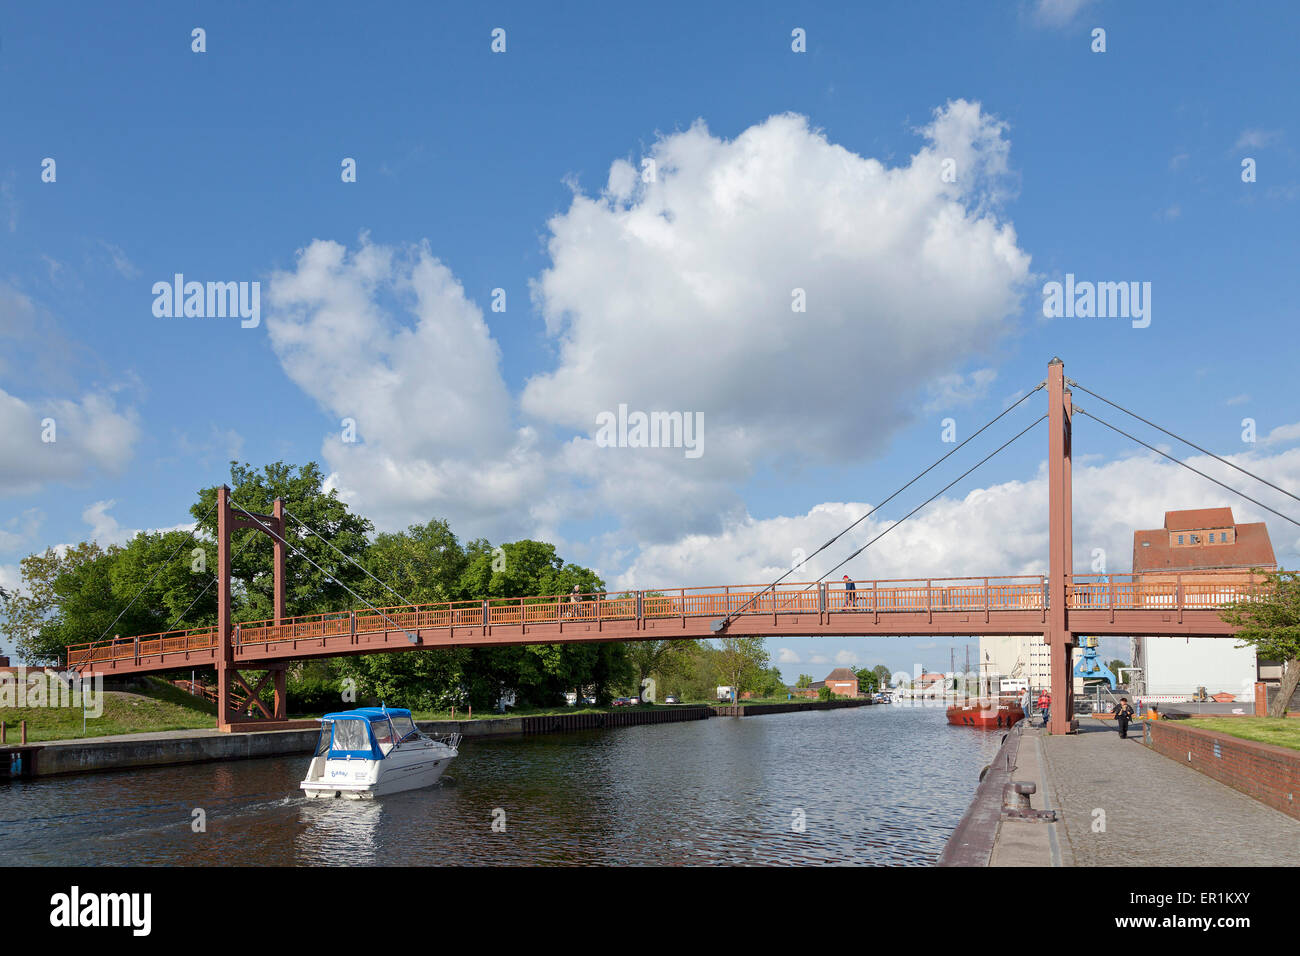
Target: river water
{"points": [[870, 785]]}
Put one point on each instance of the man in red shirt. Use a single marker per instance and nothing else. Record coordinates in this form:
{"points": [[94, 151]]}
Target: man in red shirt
{"points": [[1045, 705]]}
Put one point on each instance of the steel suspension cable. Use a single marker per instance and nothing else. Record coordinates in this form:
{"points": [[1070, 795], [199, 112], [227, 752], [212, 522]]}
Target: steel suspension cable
{"points": [[956, 448], [180, 617], [252, 517], [1185, 441], [154, 576], [405, 600], [930, 499], [1187, 466]]}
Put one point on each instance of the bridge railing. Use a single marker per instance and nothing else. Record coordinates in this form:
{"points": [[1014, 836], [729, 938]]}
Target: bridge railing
{"points": [[1012, 593], [1186, 591], [128, 648]]}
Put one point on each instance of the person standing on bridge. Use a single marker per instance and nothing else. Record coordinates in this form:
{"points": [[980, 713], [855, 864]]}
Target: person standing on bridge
{"points": [[1123, 714], [850, 593], [574, 599]]}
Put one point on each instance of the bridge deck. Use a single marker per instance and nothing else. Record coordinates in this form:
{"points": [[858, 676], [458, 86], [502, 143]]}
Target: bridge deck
{"points": [[1116, 605]]}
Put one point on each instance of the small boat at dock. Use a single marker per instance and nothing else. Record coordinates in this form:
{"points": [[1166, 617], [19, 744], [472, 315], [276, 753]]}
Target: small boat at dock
{"points": [[374, 751]]}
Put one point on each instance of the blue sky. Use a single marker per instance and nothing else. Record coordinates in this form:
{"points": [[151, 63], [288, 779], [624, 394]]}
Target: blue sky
{"points": [[225, 165]]}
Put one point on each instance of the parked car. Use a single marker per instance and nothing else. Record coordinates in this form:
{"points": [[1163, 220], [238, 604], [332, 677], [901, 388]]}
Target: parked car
{"points": [[589, 701], [672, 699], [622, 701]]}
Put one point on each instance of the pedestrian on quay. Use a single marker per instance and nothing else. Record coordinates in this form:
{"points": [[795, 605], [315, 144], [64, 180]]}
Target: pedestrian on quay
{"points": [[1123, 714], [1045, 705]]}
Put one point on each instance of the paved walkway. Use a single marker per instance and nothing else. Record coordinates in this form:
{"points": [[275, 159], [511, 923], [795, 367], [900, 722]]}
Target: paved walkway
{"points": [[1156, 811]]}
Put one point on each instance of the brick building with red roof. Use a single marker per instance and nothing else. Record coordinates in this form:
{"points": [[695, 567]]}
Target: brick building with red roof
{"points": [[1200, 541]]}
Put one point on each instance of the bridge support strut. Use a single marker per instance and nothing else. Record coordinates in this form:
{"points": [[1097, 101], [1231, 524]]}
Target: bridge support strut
{"points": [[229, 679], [1059, 637]]}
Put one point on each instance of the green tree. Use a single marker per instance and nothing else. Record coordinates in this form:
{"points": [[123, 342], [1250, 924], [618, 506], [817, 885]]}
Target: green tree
{"points": [[770, 683], [537, 674], [307, 589], [424, 564], [67, 597], [654, 657], [882, 673], [804, 681], [825, 693], [742, 660], [868, 680], [1114, 667], [172, 591], [1268, 619]]}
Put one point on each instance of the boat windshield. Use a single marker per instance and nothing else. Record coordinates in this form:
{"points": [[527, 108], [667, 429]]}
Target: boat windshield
{"points": [[404, 727], [351, 736], [323, 744], [383, 732]]}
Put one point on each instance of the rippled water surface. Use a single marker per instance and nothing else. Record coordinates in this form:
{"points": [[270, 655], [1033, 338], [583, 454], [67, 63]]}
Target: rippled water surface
{"points": [[881, 784]]}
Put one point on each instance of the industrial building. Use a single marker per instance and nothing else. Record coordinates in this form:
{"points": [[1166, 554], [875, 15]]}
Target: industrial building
{"points": [[1204, 540]]}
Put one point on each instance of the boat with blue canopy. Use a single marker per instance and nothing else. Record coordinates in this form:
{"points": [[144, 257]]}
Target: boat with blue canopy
{"points": [[373, 751]]}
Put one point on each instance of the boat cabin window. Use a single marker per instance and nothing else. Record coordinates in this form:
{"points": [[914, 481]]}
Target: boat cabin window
{"points": [[403, 726], [326, 733], [383, 732], [351, 735]]}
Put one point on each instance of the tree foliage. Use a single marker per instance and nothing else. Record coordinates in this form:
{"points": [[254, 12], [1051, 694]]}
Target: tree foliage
{"points": [[742, 661], [308, 589], [868, 680], [73, 595], [1268, 619]]}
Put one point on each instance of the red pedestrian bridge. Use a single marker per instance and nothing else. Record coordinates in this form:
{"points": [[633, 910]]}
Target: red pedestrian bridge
{"points": [[1055, 606], [1097, 604]]}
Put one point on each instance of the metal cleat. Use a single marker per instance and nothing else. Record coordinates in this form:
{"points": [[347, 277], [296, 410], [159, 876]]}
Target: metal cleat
{"points": [[1015, 804]]}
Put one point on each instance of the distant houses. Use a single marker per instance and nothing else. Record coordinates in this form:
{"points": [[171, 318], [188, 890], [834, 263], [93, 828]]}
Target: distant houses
{"points": [[842, 682]]}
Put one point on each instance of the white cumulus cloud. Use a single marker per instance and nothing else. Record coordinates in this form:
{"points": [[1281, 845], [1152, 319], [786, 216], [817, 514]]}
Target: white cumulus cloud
{"points": [[89, 434], [673, 295]]}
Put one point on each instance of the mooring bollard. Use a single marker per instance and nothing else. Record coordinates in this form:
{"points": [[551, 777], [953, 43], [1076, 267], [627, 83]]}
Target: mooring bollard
{"points": [[1015, 804], [1015, 796], [22, 724], [4, 732]]}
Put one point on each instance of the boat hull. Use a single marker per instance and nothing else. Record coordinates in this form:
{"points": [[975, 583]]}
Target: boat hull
{"points": [[987, 715], [405, 769]]}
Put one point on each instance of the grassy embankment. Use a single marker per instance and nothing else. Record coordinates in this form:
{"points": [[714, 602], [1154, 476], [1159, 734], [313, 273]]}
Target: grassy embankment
{"points": [[1278, 731], [555, 711], [529, 712], [158, 707], [162, 706]]}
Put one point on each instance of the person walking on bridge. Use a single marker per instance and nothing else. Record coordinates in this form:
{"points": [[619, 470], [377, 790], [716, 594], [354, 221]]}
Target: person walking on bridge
{"points": [[850, 593], [1123, 714]]}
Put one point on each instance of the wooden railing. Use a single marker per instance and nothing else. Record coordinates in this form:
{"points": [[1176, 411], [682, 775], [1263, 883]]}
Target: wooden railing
{"points": [[1188, 591]]}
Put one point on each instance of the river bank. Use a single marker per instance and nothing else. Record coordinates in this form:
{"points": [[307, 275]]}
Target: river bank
{"points": [[1137, 802], [174, 747]]}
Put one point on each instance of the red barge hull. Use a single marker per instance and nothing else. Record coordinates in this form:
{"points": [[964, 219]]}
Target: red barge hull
{"points": [[986, 714]]}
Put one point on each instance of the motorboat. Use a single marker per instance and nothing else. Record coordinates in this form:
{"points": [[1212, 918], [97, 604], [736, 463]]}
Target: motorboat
{"points": [[374, 751]]}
